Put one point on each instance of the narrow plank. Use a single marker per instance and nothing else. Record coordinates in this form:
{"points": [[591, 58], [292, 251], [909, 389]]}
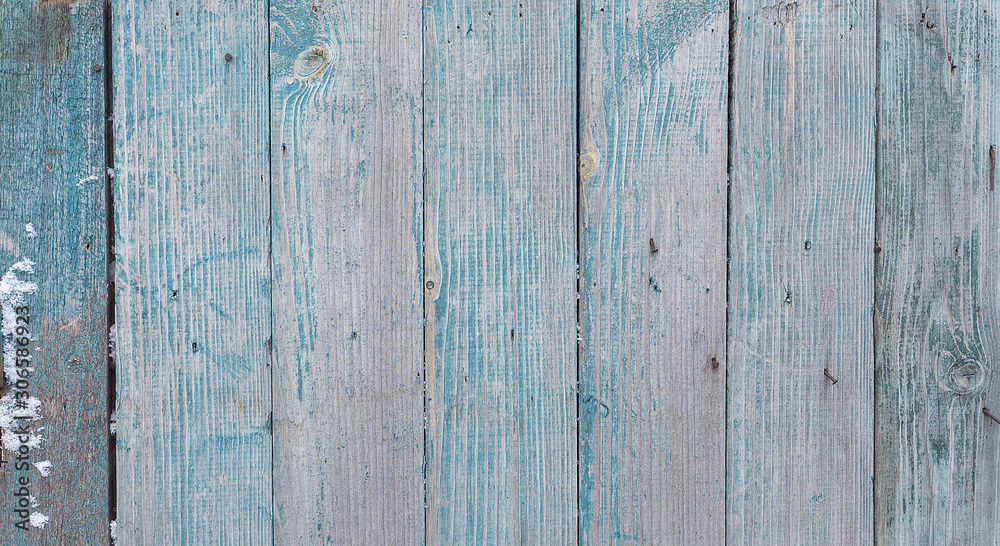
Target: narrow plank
{"points": [[500, 271], [348, 297], [654, 79], [52, 179], [801, 251], [192, 281], [937, 331]]}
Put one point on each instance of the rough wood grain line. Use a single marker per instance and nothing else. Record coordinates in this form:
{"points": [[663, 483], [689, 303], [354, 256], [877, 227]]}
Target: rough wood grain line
{"points": [[500, 271], [653, 168], [348, 297], [937, 332], [801, 273], [192, 284], [52, 129]]}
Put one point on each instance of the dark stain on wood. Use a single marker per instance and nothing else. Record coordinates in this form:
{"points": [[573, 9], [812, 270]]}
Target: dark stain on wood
{"points": [[993, 164], [37, 32]]}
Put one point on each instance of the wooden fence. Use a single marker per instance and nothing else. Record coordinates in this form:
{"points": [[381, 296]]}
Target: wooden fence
{"points": [[499, 271]]}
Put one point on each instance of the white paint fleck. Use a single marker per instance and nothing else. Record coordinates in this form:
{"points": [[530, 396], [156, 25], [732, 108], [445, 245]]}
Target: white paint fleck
{"points": [[33, 501], [12, 441], [114, 531], [112, 340], [9, 412], [30, 228], [44, 468], [113, 426], [39, 520], [12, 292]]}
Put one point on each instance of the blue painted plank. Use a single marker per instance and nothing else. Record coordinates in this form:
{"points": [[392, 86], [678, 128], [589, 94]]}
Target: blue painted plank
{"points": [[52, 222], [937, 334], [500, 271], [801, 252], [348, 314], [653, 171], [192, 282]]}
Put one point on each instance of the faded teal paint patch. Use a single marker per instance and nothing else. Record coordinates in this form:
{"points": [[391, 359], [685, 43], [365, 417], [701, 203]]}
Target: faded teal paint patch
{"points": [[52, 176]]}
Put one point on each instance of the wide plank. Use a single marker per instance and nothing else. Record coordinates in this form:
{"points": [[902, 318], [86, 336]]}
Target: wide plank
{"points": [[192, 281], [799, 445], [937, 331], [348, 297], [500, 271], [53, 252], [653, 126]]}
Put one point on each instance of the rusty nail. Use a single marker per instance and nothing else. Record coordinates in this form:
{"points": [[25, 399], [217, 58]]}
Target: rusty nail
{"points": [[229, 57], [715, 363], [429, 285], [877, 248], [986, 411], [652, 246], [826, 372], [97, 68]]}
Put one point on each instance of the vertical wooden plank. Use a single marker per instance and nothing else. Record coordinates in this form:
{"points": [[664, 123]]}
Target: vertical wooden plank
{"points": [[653, 168], [937, 330], [192, 284], [348, 297], [801, 273], [500, 271], [52, 223]]}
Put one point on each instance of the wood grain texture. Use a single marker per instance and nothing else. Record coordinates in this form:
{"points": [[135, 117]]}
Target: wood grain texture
{"points": [[500, 271], [801, 273], [348, 297], [52, 128], [653, 166], [192, 284], [937, 332]]}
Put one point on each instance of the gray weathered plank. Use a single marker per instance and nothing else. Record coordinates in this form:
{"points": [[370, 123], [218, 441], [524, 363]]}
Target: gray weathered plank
{"points": [[192, 284], [652, 372], [801, 273], [500, 271], [348, 304], [937, 334], [52, 176]]}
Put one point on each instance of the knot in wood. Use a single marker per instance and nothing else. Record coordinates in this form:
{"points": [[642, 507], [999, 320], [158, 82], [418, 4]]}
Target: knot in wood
{"points": [[964, 376], [311, 62]]}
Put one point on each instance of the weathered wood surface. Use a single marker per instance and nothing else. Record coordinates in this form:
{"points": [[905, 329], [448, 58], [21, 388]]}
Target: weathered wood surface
{"points": [[653, 127], [937, 308], [801, 273], [192, 285], [52, 177], [348, 296], [500, 271]]}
